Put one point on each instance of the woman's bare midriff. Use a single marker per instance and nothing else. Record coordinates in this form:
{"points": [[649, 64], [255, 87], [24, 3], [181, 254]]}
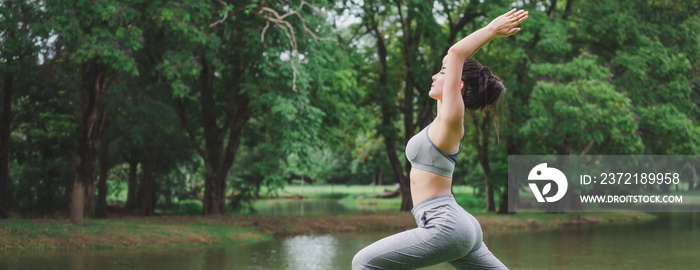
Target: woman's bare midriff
{"points": [[425, 184]]}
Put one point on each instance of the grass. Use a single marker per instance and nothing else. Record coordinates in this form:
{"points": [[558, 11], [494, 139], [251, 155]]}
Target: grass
{"points": [[19, 234], [348, 196], [330, 190], [552, 221], [356, 190]]}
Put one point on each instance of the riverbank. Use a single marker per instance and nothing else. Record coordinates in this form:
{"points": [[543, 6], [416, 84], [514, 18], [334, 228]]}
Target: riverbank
{"points": [[128, 232]]}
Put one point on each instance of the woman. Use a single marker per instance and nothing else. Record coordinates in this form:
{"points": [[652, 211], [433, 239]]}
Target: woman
{"points": [[446, 232]]}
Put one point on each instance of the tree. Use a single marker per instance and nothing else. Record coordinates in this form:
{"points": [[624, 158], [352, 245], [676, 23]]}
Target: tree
{"points": [[639, 44], [18, 56], [650, 54], [43, 137], [581, 113], [228, 70], [98, 39]]}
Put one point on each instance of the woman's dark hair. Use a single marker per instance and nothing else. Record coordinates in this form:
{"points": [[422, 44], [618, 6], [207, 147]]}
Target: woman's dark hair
{"points": [[482, 89]]}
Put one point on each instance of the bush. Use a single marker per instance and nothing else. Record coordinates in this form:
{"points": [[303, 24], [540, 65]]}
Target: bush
{"points": [[470, 202], [189, 208]]}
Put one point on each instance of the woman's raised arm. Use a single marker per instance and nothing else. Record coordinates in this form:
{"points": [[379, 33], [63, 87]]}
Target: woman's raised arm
{"points": [[502, 26], [451, 112]]}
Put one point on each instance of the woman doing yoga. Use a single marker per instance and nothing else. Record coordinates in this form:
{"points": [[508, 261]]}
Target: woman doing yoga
{"points": [[445, 232]]}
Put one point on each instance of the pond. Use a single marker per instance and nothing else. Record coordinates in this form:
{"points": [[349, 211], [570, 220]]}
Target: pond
{"points": [[670, 242]]}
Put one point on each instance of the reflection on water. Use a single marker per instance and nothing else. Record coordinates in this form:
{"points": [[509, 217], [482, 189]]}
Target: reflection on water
{"points": [[298, 252], [299, 207], [307, 252], [670, 242]]}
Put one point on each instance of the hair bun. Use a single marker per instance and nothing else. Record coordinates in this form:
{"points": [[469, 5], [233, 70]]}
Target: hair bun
{"points": [[485, 79], [483, 88]]}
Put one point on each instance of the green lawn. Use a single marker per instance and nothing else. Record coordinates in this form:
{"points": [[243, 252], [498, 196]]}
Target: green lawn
{"points": [[348, 196], [326, 190], [18, 234]]}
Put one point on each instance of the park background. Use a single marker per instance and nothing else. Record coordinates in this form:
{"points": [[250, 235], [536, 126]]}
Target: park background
{"points": [[115, 111]]}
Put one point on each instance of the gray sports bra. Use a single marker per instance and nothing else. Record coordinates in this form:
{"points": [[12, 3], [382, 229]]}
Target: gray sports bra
{"points": [[424, 155]]}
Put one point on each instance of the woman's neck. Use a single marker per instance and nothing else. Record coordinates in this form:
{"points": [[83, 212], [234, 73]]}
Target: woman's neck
{"points": [[439, 105]]}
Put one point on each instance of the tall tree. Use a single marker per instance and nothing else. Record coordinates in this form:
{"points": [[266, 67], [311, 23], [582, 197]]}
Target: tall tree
{"points": [[480, 141], [18, 56], [99, 39], [232, 61]]}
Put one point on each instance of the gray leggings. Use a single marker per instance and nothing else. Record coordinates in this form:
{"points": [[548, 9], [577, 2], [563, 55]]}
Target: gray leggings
{"points": [[445, 233]]}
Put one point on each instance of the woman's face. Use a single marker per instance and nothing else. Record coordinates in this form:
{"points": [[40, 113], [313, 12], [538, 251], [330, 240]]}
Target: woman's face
{"points": [[438, 81]]}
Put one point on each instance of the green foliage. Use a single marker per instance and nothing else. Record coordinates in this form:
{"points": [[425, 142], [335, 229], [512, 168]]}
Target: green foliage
{"points": [[576, 106], [41, 167], [470, 202], [668, 131], [102, 30], [649, 49], [189, 208], [42, 124]]}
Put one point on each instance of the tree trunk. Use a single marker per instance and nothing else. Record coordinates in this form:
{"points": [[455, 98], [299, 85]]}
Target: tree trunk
{"points": [[5, 121], [387, 102], [490, 204], [690, 180], [101, 211], [377, 177], [404, 182], [221, 159], [91, 91], [409, 52], [512, 185], [148, 184], [215, 183], [90, 194], [221, 143], [213, 141], [552, 9], [567, 10], [132, 194], [482, 150], [503, 205], [48, 207], [95, 146], [77, 199], [213, 195]]}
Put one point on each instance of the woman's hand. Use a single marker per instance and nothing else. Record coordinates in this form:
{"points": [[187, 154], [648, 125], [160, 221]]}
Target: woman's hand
{"points": [[505, 24]]}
